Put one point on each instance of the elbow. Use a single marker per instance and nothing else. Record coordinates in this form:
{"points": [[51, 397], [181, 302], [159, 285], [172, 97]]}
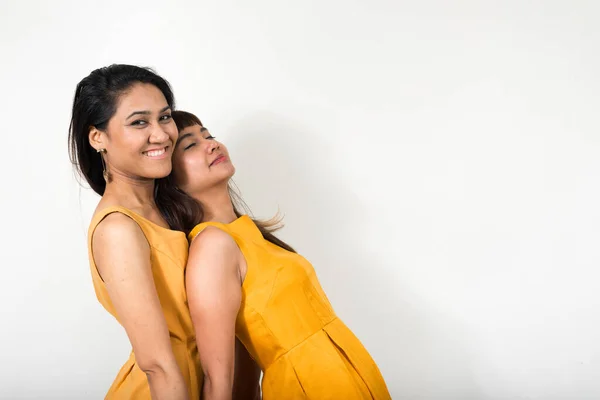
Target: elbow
{"points": [[156, 367], [219, 384], [220, 379]]}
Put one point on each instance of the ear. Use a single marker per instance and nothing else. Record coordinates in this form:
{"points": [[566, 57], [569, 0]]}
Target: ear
{"points": [[96, 138]]}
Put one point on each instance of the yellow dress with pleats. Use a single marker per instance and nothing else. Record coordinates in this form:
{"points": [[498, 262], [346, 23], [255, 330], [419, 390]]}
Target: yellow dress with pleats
{"points": [[168, 257], [290, 329]]}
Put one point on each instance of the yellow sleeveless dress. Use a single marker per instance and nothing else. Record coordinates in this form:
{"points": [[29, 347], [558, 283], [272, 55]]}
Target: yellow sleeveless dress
{"points": [[168, 255], [290, 329]]}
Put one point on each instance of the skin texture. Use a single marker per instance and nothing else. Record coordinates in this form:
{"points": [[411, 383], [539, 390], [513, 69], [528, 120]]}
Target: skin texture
{"points": [[214, 304], [128, 136], [193, 167], [121, 251], [216, 268]]}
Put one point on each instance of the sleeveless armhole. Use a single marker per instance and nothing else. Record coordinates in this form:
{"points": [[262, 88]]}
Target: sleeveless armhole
{"points": [[96, 220], [198, 229]]}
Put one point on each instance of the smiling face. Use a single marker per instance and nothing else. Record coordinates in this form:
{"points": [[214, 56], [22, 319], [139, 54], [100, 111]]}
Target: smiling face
{"points": [[200, 162], [139, 138]]}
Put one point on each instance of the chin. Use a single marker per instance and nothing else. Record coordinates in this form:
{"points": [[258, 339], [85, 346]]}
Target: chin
{"points": [[158, 173], [231, 171]]}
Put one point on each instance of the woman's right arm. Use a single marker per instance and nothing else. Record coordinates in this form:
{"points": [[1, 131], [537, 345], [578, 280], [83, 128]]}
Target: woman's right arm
{"points": [[122, 256], [214, 296]]}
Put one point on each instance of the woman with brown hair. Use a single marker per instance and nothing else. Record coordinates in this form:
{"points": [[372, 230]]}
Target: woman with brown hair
{"points": [[242, 281]]}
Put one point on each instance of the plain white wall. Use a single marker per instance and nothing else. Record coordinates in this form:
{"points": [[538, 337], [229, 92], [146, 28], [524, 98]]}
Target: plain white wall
{"points": [[437, 161]]}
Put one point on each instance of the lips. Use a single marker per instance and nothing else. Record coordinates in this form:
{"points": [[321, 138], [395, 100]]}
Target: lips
{"points": [[217, 160], [155, 152]]}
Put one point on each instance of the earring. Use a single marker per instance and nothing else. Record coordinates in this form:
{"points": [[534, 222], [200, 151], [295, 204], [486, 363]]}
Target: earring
{"points": [[105, 173]]}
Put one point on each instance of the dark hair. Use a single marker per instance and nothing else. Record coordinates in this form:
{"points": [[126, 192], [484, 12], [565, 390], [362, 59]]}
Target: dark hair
{"points": [[182, 212], [95, 103]]}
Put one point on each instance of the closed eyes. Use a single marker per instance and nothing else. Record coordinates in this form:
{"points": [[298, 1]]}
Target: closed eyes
{"points": [[210, 137]]}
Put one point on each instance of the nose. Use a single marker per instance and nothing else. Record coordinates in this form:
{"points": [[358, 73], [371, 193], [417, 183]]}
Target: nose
{"points": [[212, 146], [158, 135]]}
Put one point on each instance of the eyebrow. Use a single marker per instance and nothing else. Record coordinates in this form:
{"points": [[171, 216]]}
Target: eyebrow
{"points": [[147, 112], [187, 135], [182, 137]]}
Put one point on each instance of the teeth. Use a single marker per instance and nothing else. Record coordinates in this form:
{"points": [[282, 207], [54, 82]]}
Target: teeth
{"points": [[156, 153]]}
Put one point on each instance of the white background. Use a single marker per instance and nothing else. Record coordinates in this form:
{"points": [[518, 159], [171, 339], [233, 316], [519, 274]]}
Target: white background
{"points": [[437, 161]]}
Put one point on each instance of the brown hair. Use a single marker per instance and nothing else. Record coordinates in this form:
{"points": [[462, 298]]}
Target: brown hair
{"points": [[182, 212]]}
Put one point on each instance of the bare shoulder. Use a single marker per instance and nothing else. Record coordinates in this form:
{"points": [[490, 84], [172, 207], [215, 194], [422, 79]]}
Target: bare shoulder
{"points": [[214, 244], [119, 247], [213, 238], [118, 228]]}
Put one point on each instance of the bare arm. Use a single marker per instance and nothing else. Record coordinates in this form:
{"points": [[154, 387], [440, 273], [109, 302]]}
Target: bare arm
{"points": [[122, 256], [214, 296], [247, 375]]}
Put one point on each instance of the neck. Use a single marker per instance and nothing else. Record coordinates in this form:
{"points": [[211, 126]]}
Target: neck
{"points": [[216, 205], [133, 193]]}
